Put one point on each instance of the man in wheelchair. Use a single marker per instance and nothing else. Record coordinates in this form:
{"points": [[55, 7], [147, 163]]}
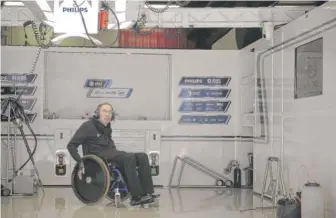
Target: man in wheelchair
{"points": [[96, 135]]}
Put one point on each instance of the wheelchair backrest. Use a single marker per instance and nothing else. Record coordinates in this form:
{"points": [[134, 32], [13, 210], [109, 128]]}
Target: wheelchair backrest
{"points": [[85, 151]]}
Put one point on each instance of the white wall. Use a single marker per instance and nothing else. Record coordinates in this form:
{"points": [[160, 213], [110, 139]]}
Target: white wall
{"points": [[215, 152], [301, 130]]}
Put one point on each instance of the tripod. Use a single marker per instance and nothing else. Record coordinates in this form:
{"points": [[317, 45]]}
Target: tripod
{"points": [[13, 112]]}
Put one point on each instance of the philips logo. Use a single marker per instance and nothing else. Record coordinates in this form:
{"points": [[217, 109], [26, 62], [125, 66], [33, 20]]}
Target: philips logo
{"points": [[75, 9]]}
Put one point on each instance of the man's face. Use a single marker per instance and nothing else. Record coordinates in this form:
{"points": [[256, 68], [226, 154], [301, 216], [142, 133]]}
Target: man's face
{"points": [[105, 114]]}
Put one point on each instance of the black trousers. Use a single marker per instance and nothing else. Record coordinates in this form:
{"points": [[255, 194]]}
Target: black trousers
{"points": [[136, 171]]}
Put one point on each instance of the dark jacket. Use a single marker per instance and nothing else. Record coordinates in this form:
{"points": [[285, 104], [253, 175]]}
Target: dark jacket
{"points": [[95, 138]]}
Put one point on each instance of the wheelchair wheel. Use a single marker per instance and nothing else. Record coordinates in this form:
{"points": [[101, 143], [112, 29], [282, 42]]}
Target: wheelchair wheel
{"points": [[94, 184]]}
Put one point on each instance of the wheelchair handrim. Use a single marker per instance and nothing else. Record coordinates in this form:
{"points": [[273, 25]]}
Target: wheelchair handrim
{"points": [[106, 183]]}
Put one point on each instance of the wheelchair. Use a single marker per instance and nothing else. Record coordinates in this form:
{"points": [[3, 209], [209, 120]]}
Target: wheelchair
{"points": [[100, 179]]}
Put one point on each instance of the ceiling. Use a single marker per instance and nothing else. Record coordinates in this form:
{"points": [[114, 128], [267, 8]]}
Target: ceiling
{"points": [[205, 37]]}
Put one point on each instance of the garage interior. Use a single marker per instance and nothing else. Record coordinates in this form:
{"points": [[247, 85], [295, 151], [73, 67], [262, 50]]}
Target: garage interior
{"points": [[231, 101]]}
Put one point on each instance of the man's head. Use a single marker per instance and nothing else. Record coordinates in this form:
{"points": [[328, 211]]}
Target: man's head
{"points": [[104, 113]]}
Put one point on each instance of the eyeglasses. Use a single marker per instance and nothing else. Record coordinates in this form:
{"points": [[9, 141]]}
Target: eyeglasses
{"points": [[107, 112]]}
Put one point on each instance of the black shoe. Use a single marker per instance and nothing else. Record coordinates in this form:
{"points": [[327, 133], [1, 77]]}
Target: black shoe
{"points": [[141, 200], [154, 196]]}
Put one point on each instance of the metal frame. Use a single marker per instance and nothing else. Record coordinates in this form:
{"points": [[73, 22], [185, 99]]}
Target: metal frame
{"points": [[276, 185], [16, 16], [195, 164], [11, 150], [10, 143], [220, 17], [175, 17]]}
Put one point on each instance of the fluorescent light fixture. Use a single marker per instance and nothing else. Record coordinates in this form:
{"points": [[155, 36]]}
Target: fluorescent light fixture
{"points": [[162, 6], [13, 4]]}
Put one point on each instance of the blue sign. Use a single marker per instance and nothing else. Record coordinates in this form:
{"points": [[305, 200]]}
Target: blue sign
{"points": [[98, 83], [205, 81], [205, 106], [110, 93], [16, 90], [204, 93], [18, 78], [199, 119]]}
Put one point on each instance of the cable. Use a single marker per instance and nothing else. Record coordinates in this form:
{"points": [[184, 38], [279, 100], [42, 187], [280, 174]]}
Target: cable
{"points": [[86, 30], [158, 10], [41, 44], [17, 115], [140, 24], [31, 154], [38, 33]]}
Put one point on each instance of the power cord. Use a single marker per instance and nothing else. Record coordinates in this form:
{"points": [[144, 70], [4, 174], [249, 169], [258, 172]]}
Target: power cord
{"points": [[142, 20], [38, 32], [140, 24], [17, 115], [158, 10], [85, 26], [41, 44]]}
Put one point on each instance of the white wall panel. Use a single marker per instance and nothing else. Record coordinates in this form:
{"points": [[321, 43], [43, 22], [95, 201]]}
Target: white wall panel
{"points": [[306, 124], [183, 63], [67, 72]]}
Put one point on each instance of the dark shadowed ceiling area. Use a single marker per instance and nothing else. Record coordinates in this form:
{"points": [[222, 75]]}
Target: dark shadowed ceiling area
{"points": [[206, 37]]}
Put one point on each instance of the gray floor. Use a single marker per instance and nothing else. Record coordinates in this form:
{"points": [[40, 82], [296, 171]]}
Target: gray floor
{"points": [[193, 203]]}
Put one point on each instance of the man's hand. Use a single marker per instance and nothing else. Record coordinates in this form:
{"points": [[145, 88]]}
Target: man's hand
{"points": [[81, 171]]}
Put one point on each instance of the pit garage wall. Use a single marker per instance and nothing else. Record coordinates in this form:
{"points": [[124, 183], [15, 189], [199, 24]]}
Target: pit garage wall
{"points": [[204, 143], [302, 131]]}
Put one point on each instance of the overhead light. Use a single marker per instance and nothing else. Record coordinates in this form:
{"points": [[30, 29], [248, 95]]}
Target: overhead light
{"points": [[17, 4], [162, 6]]}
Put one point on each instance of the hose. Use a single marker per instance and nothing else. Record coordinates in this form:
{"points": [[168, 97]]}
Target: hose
{"points": [[158, 10], [86, 30]]}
